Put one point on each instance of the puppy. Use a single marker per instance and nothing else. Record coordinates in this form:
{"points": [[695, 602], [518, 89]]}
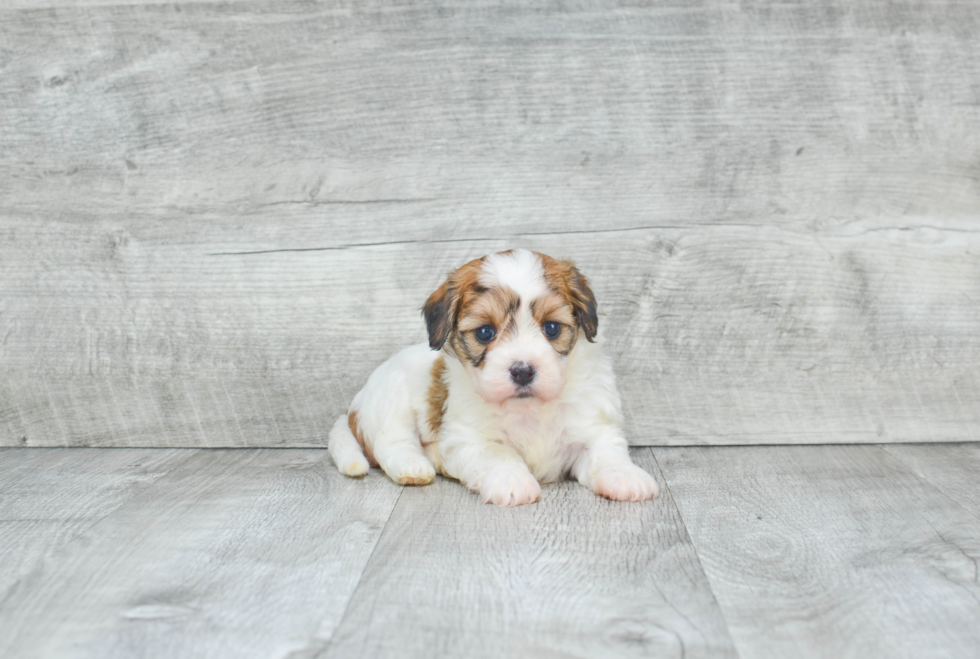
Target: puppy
{"points": [[510, 392]]}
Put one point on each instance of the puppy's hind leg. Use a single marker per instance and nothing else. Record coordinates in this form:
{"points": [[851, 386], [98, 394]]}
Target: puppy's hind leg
{"points": [[345, 450]]}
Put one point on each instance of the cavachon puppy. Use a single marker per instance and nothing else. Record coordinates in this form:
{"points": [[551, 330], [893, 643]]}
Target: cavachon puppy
{"points": [[511, 391]]}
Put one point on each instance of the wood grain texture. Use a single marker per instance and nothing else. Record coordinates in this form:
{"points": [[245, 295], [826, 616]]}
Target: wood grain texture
{"points": [[564, 117], [830, 551], [712, 339], [217, 218], [952, 469], [51, 497], [233, 553], [833, 551], [572, 576], [76, 4]]}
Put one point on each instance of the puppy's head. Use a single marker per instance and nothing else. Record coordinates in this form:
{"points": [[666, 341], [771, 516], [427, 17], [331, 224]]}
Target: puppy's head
{"points": [[512, 319]]}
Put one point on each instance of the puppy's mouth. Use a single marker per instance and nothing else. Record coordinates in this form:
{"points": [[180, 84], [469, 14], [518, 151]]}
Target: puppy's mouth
{"points": [[524, 392]]}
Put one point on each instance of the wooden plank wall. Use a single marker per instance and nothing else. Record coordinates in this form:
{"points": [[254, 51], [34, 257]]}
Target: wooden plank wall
{"points": [[217, 218]]}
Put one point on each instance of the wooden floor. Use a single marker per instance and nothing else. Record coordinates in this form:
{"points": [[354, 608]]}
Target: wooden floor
{"points": [[775, 551]]}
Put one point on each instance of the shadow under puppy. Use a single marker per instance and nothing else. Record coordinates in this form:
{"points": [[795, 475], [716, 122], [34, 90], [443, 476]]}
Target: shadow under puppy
{"points": [[511, 391]]}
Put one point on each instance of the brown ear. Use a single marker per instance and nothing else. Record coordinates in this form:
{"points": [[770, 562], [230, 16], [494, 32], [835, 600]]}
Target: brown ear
{"points": [[565, 279], [441, 310], [438, 316], [583, 302]]}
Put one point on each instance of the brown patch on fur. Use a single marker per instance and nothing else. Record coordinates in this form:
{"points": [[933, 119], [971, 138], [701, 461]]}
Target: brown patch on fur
{"points": [[495, 307], [492, 307], [442, 309], [462, 305], [438, 392], [359, 436], [554, 307], [565, 279], [465, 285], [438, 320]]}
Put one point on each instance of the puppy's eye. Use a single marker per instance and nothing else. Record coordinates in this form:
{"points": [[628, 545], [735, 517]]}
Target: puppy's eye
{"points": [[552, 329], [485, 334]]}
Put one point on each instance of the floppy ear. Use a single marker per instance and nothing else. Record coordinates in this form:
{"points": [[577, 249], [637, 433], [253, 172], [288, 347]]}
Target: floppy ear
{"points": [[583, 302], [438, 312], [441, 310]]}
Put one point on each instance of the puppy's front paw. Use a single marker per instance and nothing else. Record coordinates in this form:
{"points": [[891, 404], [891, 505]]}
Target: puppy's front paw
{"points": [[410, 469], [625, 482], [508, 486]]}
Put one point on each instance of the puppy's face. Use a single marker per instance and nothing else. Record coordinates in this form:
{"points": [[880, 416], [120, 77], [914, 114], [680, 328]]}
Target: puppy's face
{"points": [[512, 319]]}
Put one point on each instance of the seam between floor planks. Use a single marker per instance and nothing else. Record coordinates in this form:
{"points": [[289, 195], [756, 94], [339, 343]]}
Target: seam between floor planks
{"points": [[452, 496], [224, 538], [667, 491], [451, 572], [360, 577]]}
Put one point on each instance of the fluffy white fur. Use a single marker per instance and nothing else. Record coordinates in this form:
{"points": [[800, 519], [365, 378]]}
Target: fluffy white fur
{"points": [[567, 422]]}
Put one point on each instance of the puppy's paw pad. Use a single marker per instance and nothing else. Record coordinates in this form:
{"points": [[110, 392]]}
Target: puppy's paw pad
{"points": [[509, 487], [625, 483], [416, 480], [355, 468], [412, 470]]}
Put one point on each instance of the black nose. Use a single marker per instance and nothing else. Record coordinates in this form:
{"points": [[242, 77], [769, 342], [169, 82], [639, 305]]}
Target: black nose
{"points": [[522, 373]]}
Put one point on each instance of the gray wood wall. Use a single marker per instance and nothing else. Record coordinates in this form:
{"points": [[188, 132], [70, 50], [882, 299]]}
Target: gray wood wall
{"points": [[217, 218]]}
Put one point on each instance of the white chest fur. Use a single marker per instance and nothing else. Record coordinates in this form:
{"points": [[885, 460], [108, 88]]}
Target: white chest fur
{"points": [[537, 433]]}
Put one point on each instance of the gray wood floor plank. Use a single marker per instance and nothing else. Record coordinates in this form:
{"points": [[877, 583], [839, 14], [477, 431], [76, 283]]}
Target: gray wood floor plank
{"points": [[830, 551], [777, 205], [64, 484], [49, 497], [571, 576], [234, 553], [954, 469]]}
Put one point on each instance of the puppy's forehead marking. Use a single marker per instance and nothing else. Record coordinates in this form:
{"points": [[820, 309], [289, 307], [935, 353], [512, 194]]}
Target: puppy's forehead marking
{"points": [[519, 270]]}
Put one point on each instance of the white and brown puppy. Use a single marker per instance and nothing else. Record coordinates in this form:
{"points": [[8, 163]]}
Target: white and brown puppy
{"points": [[506, 394]]}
